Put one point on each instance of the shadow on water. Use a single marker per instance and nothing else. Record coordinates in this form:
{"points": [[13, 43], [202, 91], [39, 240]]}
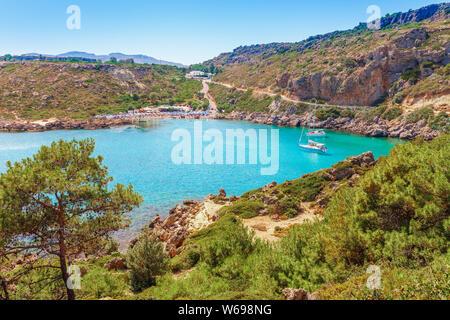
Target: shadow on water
{"points": [[147, 124]]}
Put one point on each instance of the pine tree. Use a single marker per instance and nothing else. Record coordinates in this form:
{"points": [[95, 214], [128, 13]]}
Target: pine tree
{"points": [[146, 259], [57, 204]]}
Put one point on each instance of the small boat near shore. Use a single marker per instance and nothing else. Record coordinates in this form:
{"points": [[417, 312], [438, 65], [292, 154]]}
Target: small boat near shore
{"points": [[317, 134], [313, 146]]}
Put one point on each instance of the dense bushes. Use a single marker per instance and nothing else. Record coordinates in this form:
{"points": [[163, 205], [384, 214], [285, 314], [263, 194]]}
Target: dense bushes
{"points": [[386, 113], [328, 112], [146, 260], [425, 113], [229, 100], [306, 188], [396, 217], [427, 283], [334, 112], [441, 122], [411, 74], [392, 113], [288, 206], [216, 252], [100, 283], [246, 209]]}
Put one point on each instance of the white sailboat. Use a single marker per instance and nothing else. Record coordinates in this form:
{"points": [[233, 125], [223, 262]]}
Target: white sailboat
{"points": [[313, 146]]}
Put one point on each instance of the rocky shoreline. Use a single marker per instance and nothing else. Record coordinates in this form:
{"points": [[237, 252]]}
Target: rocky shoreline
{"points": [[378, 127], [183, 220], [38, 126]]}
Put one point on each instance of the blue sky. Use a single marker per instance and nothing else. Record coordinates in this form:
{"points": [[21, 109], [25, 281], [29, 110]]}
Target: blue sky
{"points": [[186, 31]]}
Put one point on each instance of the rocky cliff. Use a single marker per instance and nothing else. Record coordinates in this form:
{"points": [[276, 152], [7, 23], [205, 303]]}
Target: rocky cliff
{"points": [[375, 74], [353, 67]]}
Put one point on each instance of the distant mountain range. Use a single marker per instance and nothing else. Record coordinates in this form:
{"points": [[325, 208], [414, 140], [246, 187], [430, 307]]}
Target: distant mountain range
{"points": [[138, 58]]}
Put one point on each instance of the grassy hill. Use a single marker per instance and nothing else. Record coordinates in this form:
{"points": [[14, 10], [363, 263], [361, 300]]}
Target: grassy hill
{"points": [[42, 90]]}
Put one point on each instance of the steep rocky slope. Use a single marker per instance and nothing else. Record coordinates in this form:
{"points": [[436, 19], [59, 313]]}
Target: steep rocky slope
{"points": [[382, 121], [354, 67]]}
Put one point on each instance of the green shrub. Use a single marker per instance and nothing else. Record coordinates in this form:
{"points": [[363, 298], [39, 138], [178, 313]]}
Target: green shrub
{"points": [[399, 209], [427, 64], [328, 112], [349, 63], [342, 165], [146, 260], [411, 74], [447, 70], [372, 113], [232, 241], [425, 113], [347, 113], [392, 113], [441, 122], [428, 283], [288, 206], [99, 283], [246, 209], [307, 188], [399, 97], [112, 246], [250, 193]]}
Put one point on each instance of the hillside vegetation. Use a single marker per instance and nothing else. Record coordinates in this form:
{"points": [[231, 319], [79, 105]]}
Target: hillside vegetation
{"points": [[393, 214], [400, 63], [41, 90]]}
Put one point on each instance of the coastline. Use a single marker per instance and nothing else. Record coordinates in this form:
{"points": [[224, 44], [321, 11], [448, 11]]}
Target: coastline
{"points": [[378, 127]]}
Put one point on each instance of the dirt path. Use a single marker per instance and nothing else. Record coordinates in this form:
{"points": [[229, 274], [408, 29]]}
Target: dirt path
{"points": [[264, 226], [212, 102], [268, 93], [271, 94]]}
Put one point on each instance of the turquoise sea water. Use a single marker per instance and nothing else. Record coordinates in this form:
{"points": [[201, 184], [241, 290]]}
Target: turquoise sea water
{"points": [[142, 156]]}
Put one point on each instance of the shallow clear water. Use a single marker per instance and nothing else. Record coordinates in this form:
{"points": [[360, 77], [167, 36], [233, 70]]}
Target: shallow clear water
{"points": [[142, 156]]}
